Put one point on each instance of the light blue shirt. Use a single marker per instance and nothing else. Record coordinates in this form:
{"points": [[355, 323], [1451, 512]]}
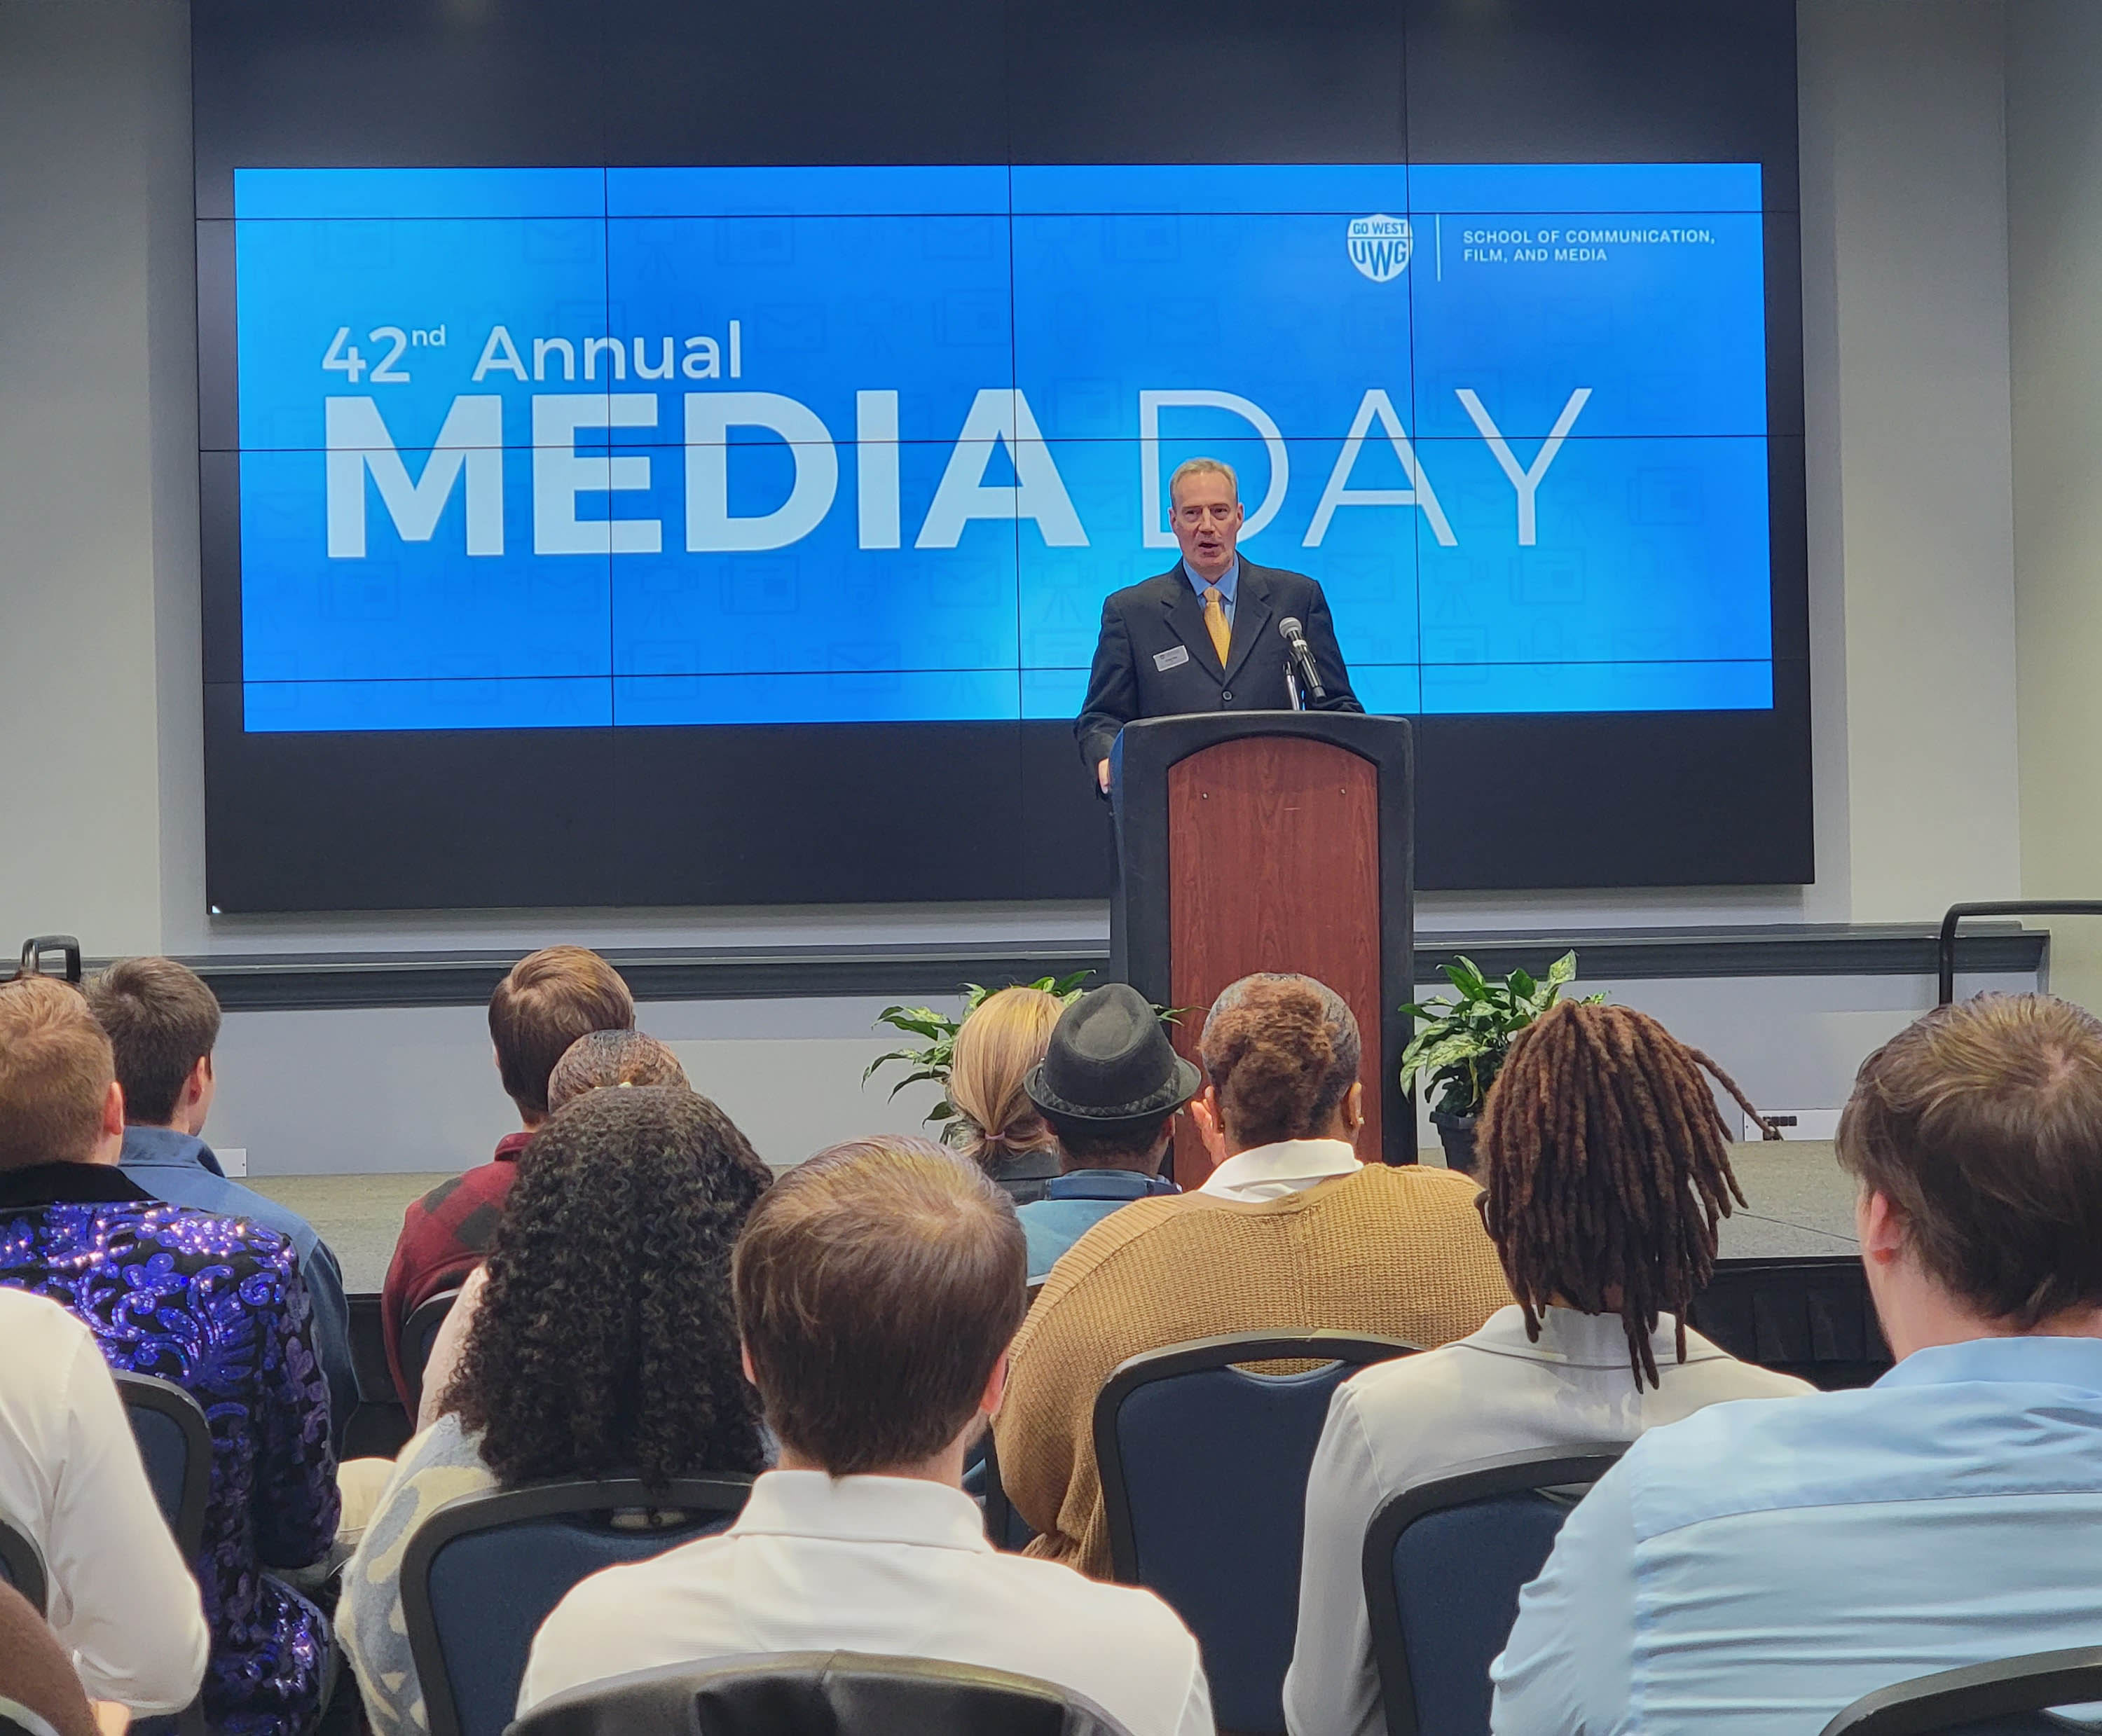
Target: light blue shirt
{"points": [[1073, 1205], [1760, 1565], [182, 1170], [1228, 581]]}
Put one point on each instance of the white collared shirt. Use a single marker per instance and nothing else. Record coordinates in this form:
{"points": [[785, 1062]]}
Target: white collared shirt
{"points": [[1289, 1167], [1403, 1424], [121, 1600], [892, 1566]]}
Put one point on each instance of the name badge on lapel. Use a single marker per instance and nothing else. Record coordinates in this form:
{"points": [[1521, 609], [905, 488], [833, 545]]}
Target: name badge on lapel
{"points": [[1174, 657]]}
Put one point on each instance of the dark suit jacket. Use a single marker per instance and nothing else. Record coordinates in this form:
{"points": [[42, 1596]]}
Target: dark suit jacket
{"points": [[1147, 623]]}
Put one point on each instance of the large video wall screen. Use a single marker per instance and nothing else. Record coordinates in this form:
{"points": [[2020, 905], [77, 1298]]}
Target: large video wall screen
{"points": [[701, 531]]}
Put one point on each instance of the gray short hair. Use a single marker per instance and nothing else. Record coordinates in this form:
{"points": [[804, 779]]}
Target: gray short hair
{"points": [[1203, 467], [1282, 1051]]}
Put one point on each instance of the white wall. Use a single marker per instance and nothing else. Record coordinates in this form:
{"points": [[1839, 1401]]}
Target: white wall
{"points": [[1912, 518], [2055, 251], [98, 507], [788, 1073], [1904, 159], [422, 1092]]}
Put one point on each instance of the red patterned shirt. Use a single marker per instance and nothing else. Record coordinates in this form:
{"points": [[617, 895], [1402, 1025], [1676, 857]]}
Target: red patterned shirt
{"points": [[445, 1236]]}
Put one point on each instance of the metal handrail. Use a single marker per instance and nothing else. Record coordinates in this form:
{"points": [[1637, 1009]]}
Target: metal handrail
{"points": [[2002, 907]]}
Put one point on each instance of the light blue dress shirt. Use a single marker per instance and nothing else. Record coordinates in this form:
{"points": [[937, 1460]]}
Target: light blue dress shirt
{"points": [[182, 1170], [1759, 1566], [1073, 1205], [1229, 581]]}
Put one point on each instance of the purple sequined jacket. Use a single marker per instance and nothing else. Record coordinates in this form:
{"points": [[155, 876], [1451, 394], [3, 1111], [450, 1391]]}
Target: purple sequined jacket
{"points": [[217, 1306]]}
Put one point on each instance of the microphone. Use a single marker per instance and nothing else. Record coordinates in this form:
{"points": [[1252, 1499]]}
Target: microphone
{"points": [[1295, 636]]}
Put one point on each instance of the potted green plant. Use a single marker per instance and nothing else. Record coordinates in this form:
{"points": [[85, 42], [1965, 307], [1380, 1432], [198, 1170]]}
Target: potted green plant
{"points": [[931, 1061], [1463, 1039]]}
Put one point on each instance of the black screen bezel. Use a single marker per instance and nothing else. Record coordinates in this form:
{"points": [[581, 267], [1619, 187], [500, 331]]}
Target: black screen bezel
{"points": [[881, 812]]}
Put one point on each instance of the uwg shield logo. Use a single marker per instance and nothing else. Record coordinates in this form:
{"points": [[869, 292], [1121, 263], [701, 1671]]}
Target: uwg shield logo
{"points": [[1380, 246]]}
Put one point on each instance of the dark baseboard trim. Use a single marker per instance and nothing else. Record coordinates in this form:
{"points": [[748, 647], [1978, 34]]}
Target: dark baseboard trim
{"points": [[261, 982]]}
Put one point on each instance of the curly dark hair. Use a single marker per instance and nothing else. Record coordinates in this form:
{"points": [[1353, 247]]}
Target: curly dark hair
{"points": [[1605, 1169], [605, 1344], [1282, 1051]]}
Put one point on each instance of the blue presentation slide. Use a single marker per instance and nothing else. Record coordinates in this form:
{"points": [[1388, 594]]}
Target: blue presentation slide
{"points": [[531, 447]]}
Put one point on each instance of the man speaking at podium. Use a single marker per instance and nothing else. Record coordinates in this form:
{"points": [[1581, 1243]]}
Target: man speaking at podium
{"points": [[1216, 633]]}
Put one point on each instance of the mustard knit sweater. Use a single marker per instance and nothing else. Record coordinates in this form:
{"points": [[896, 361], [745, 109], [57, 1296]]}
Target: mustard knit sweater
{"points": [[1399, 1252]]}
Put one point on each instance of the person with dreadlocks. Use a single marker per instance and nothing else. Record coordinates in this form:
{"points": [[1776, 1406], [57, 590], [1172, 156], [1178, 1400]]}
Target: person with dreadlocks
{"points": [[1755, 1568], [1604, 1169]]}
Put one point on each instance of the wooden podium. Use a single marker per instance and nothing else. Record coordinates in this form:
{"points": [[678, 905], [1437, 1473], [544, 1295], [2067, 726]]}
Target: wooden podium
{"points": [[1270, 841]]}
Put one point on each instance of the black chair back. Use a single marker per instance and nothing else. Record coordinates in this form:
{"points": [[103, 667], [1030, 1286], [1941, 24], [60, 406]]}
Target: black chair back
{"points": [[22, 1565], [175, 1445], [66, 945], [2010, 1698], [1444, 1564], [1204, 1464], [420, 1331], [819, 1694], [1005, 1528], [480, 1575]]}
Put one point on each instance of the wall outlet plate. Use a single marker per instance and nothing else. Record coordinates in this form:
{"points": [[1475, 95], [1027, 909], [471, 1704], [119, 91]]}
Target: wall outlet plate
{"points": [[232, 1159]]}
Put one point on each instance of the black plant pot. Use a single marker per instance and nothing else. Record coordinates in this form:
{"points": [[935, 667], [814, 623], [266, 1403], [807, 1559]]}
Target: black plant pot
{"points": [[1456, 1133]]}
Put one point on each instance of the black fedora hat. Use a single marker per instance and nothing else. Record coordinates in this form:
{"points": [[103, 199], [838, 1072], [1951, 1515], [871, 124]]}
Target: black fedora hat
{"points": [[1109, 1062]]}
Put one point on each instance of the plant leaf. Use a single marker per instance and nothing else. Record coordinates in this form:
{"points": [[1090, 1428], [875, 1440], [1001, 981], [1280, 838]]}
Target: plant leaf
{"points": [[922, 1020], [1469, 979], [1563, 970], [924, 1076], [1443, 1051]]}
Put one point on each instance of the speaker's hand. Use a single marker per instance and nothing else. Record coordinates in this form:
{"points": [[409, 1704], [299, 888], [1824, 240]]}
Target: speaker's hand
{"points": [[1102, 776]]}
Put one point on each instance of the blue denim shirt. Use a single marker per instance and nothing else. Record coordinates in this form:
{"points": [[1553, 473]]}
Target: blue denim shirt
{"points": [[1073, 1204], [182, 1170], [1761, 1565]]}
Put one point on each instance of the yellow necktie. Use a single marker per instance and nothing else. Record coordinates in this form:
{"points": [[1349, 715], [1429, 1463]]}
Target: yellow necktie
{"points": [[1215, 624]]}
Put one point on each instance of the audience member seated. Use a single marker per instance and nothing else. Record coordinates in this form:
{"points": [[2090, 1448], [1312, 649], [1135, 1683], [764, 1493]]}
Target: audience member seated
{"points": [[612, 1058], [164, 1025], [1108, 1086], [1397, 1251], [214, 1305], [1000, 1040], [877, 1288], [605, 1344], [1605, 1166], [119, 1596], [551, 997], [1758, 1567], [597, 1059], [36, 1677]]}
